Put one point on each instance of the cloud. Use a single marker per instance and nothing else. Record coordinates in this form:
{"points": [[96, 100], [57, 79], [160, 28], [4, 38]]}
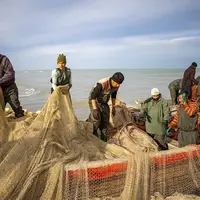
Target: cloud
{"points": [[46, 23], [128, 52], [105, 46], [96, 33]]}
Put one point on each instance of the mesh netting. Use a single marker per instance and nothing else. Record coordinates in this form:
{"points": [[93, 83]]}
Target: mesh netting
{"points": [[52, 155], [32, 165], [175, 196]]}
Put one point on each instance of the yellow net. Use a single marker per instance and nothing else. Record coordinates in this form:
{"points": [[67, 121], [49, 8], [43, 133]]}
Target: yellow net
{"points": [[54, 156]]}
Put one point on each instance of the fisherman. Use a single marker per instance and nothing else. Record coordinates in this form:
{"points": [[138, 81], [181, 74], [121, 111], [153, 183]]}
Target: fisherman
{"points": [[62, 74], [9, 87], [188, 80], [174, 88], [157, 113], [186, 120], [100, 94]]}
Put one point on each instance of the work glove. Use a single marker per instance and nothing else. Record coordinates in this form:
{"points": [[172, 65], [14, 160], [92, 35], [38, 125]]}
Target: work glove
{"points": [[95, 114], [167, 133], [113, 111]]}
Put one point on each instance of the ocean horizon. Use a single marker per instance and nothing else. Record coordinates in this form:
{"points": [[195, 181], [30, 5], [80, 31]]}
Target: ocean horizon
{"points": [[34, 86]]}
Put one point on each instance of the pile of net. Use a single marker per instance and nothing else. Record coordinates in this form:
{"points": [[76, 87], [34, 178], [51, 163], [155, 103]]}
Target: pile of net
{"points": [[158, 196], [35, 150], [124, 132], [32, 166], [176, 196], [53, 156]]}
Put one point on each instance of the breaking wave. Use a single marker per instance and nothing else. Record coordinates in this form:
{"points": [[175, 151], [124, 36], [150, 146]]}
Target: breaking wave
{"points": [[28, 92]]}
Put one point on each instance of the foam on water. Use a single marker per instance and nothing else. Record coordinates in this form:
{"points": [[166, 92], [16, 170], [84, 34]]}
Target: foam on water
{"points": [[28, 92]]}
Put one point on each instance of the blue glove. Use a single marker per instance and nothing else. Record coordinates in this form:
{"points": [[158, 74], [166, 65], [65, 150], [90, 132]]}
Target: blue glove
{"points": [[168, 131], [184, 96]]}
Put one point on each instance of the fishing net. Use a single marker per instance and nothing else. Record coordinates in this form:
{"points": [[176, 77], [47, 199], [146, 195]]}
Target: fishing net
{"points": [[175, 196], [123, 132], [32, 166], [54, 156]]}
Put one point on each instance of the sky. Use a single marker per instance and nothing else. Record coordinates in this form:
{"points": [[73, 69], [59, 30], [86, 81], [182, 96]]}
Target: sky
{"points": [[99, 34]]}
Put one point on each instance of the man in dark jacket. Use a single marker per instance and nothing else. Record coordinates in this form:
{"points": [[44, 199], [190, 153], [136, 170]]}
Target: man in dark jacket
{"points": [[100, 94], [9, 88], [189, 80], [174, 88]]}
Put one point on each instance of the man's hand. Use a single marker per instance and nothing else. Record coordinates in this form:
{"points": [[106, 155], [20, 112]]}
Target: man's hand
{"points": [[65, 90], [138, 102], [96, 114]]}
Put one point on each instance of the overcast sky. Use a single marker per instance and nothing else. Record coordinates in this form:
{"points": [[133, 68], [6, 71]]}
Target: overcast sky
{"points": [[100, 33]]}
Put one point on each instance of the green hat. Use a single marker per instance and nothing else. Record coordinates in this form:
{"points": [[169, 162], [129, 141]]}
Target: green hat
{"points": [[61, 58]]}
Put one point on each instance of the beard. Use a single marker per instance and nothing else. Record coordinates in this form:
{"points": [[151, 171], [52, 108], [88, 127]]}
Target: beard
{"points": [[155, 99]]}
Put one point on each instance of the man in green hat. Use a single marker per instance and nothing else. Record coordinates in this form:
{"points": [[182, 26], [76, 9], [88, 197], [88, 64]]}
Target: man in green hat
{"points": [[62, 74], [100, 94]]}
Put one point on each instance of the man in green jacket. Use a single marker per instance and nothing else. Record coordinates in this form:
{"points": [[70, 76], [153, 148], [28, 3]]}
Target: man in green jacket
{"points": [[174, 88], [157, 113]]}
